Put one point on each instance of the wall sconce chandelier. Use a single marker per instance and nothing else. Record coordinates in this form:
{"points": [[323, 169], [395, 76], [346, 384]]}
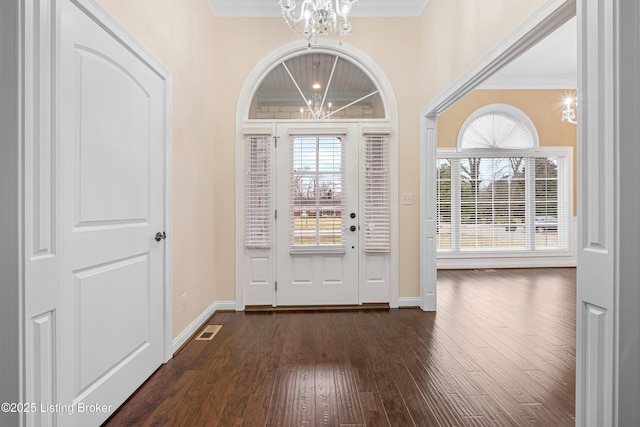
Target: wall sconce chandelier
{"points": [[569, 113], [318, 18]]}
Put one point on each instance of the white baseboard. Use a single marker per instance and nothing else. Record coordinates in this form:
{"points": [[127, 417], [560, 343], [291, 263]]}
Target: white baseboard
{"points": [[225, 306], [196, 324], [409, 302]]}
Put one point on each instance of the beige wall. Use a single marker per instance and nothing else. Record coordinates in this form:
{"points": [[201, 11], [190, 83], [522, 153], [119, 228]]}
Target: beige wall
{"points": [[210, 58], [180, 34], [544, 108]]}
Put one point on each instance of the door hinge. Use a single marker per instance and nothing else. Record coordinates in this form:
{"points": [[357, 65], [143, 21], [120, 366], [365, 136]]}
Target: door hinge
{"points": [[276, 286], [275, 140], [276, 213]]}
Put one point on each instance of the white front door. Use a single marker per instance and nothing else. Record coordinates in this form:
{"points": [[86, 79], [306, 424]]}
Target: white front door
{"points": [[317, 215], [111, 204]]}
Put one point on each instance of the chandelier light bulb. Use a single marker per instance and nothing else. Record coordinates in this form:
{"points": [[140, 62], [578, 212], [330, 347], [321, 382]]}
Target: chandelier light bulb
{"points": [[569, 113], [318, 17]]}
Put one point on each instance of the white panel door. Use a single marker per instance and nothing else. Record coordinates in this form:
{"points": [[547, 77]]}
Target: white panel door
{"points": [[111, 205], [318, 218]]}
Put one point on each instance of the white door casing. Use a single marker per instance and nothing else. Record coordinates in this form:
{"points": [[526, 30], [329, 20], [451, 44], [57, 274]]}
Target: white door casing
{"points": [[97, 161], [318, 274], [608, 319]]}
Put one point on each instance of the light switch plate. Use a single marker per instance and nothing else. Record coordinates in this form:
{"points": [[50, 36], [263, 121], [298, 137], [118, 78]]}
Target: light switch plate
{"points": [[406, 199]]}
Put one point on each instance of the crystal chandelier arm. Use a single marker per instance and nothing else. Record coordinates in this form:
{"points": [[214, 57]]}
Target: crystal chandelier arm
{"points": [[299, 90], [288, 7], [318, 17]]}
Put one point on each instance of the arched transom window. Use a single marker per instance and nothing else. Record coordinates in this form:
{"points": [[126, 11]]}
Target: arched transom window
{"points": [[316, 86], [498, 126]]}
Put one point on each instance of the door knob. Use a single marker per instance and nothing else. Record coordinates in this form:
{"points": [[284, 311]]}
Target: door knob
{"points": [[160, 236], [353, 215], [352, 228]]}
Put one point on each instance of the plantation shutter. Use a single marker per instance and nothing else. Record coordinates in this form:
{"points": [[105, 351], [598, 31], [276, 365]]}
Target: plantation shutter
{"points": [[258, 192], [502, 203], [376, 194]]}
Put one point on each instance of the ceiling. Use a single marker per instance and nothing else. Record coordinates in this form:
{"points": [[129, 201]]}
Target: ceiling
{"points": [[271, 8], [551, 64]]}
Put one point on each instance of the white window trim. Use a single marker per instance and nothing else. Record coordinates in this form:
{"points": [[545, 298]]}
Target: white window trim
{"points": [[516, 258]]}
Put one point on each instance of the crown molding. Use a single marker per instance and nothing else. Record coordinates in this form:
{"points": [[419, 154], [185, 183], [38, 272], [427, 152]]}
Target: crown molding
{"points": [[270, 8]]}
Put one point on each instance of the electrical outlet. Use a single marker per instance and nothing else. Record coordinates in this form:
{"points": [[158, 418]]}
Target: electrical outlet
{"points": [[183, 302], [406, 198]]}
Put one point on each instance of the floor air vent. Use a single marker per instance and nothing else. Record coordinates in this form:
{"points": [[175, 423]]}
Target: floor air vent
{"points": [[208, 333]]}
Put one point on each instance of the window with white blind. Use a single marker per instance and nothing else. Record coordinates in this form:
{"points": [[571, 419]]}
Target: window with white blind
{"points": [[500, 203], [258, 192], [499, 191], [376, 194], [317, 196]]}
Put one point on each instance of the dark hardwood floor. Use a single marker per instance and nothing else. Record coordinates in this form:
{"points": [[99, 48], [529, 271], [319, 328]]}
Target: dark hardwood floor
{"points": [[500, 351]]}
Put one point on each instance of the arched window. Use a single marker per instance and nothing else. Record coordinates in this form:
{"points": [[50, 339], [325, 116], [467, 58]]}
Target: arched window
{"points": [[499, 190], [316, 85], [498, 126]]}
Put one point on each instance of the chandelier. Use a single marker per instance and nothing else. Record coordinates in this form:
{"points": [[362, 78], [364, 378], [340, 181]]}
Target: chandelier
{"points": [[316, 109], [318, 17], [569, 113]]}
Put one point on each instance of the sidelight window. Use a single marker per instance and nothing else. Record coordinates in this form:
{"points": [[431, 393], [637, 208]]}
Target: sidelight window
{"points": [[258, 208]]}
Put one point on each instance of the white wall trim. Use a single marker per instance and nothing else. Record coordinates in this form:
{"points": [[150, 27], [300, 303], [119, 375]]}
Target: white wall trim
{"points": [[188, 332], [409, 302], [225, 306], [547, 19]]}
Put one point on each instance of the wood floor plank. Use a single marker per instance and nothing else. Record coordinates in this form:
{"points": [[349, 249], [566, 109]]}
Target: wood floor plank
{"points": [[304, 398], [281, 408], [326, 404], [373, 410], [500, 351]]}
